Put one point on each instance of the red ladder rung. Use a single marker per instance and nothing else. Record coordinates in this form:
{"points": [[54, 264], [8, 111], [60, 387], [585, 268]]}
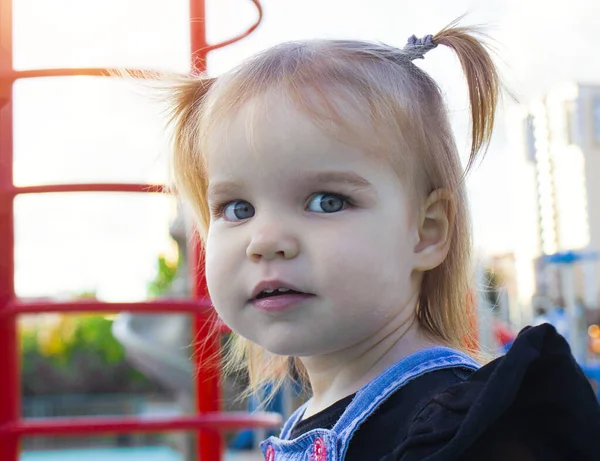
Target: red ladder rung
{"points": [[95, 425], [9, 75], [201, 307], [99, 187]]}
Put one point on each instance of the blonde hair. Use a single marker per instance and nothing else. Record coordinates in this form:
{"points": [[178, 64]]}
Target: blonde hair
{"points": [[388, 93]]}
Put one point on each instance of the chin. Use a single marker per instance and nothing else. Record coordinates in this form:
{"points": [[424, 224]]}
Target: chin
{"points": [[284, 346], [287, 350]]}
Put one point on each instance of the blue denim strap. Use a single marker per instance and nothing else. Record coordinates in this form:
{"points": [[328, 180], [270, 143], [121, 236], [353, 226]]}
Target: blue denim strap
{"points": [[364, 403], [371, 396]]}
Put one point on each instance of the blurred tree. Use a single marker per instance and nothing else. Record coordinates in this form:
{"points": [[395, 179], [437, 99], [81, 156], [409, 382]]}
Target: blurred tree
{"points": [[166, 274], [168, 265], [77, 353]]}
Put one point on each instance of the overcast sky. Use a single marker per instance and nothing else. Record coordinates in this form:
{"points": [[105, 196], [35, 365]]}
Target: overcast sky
{"points": [[85, 130]]}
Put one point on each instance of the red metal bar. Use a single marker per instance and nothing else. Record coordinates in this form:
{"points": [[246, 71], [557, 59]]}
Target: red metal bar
{"points": [[209, 445], [207, 347], [197, 306], [206, 326], [10, 75], [103, 425], [200, 307], [108, 187], [240, 36], [10, 396]]}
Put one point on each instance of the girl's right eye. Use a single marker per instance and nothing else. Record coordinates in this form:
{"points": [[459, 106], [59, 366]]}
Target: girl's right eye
{"points": [[237, 210]]}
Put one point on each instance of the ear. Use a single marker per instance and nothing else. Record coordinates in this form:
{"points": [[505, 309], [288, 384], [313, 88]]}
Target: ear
{"points": [[435, 230]]}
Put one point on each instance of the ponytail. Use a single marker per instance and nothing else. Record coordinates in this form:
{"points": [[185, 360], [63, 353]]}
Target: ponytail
{"points": [[444, 290], [483, 81]]}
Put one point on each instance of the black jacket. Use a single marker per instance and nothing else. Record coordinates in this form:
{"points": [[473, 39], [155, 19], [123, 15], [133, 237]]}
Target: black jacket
{"points": [[534, 403]]}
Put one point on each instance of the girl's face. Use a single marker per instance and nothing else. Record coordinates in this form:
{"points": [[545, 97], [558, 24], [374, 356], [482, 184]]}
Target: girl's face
{"points": [[293, 207]]}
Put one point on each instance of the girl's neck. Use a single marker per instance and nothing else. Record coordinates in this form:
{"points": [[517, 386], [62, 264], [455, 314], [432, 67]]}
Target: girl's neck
{"points": [[340, 374]]}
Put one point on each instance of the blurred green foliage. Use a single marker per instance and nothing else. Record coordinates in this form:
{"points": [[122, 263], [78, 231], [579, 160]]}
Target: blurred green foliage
{"points": [[77, 354], [166, 273]]}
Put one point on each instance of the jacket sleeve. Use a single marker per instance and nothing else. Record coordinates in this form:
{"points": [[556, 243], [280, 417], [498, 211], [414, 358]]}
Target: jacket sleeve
{"points": [[533, 403]]}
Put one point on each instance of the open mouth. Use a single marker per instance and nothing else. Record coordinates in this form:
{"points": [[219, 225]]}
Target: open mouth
{"points": [[277, 292]]}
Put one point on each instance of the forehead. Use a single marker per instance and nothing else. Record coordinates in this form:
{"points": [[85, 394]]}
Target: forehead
{"points": [[274, 125]]}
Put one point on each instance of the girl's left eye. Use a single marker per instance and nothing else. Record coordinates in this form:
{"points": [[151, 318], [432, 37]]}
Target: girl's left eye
{"points": [[238, 210], [326, 202]]}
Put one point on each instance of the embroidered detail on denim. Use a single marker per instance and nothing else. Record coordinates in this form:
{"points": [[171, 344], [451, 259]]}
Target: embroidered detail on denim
{"points": [[270, 455], [319, 450]]}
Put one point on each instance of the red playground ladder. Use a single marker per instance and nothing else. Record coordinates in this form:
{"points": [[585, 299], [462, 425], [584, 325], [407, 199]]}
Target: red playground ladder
{"points": [[208, 421]]}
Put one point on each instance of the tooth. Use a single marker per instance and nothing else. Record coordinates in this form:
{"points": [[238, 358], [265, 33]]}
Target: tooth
{"points": [[283, 290], [269, 291]]}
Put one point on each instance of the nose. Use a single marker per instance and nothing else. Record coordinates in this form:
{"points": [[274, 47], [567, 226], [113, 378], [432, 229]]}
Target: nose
{"points": [[272, 242]]}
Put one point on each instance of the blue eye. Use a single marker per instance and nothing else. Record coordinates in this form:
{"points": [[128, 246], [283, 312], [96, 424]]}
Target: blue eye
{"points": [[327, 203], [238, 210]]}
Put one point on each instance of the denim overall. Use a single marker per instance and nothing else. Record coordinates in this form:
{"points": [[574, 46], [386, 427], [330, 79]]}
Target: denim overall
{"points": [[332, 444]]}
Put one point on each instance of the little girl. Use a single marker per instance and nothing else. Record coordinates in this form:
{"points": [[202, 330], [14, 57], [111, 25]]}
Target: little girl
{"points": [[330, 197]]}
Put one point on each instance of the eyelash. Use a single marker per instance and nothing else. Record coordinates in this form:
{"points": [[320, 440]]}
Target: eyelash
{"points": [[217, 209]]}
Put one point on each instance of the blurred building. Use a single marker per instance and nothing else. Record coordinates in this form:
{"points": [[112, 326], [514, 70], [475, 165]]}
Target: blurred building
{"points": [[560, 178], [505, 304]]}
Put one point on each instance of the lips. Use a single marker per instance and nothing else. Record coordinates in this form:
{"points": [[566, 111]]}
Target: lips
{"points": [[262, 290], [280, 304]]}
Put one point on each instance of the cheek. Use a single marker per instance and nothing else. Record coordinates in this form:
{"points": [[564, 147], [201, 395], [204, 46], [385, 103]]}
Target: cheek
{"points": [[366, 259], [218, 266]]}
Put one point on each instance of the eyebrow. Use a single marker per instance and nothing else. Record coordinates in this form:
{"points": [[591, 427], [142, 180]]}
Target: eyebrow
{"points": [[344, 178], [222, 188]]}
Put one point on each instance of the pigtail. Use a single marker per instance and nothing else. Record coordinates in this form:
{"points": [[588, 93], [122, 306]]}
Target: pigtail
{"points": [[444, 289], [482, 80]]}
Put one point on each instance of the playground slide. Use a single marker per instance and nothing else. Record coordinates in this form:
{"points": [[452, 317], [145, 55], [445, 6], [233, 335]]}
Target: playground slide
{"points": [[158, 346]]}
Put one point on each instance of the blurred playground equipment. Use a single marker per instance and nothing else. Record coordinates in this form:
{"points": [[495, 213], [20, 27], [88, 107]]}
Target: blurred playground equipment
{"points": [[570, 317], [208, 421]]}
